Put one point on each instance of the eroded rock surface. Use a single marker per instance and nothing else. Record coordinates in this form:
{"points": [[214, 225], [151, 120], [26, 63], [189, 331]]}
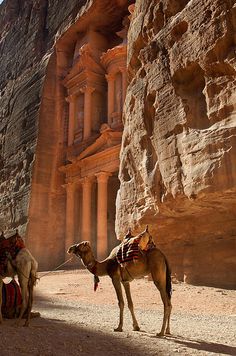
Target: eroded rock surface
{"points": [[28, 30], [178, 159]]}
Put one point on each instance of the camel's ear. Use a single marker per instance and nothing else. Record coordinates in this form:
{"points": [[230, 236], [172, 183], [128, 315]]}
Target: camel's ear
{"points": [[129, 231], [86, 244], [146, 229]]}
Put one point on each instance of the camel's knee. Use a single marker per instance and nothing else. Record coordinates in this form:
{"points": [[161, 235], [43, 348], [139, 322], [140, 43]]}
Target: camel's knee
{"points": [[158, 284], [130, 305], [121, 305]]}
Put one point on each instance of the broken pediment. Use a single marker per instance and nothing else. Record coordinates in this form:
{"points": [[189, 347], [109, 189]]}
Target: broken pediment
{"points": [[87, 59], [106, 140]]}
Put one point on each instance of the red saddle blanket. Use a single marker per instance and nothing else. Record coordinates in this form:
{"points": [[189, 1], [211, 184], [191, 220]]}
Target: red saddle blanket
{"points": [[9, 248], [11, 299], [128, 251]]}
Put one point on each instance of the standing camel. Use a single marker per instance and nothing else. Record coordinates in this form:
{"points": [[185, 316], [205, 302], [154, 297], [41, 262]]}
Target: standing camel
{"points": [[151, 261], [25, 267]]}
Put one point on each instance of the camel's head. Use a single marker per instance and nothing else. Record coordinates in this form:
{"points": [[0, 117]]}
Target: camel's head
{"points": [[80, 249]]}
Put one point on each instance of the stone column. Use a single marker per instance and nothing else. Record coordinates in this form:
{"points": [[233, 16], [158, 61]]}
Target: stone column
{"points": [[102, 242], [70, 216], [86, 208], [111, 96], [71, 129], [124, 83], [87, 111]]}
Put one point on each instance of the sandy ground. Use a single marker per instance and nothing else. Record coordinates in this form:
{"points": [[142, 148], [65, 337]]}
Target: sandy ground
{"points": [[75, 320]]}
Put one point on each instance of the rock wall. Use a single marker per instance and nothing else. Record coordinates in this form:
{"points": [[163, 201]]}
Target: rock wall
{"points": [[37, 45], [28, 30], [178, 157]]}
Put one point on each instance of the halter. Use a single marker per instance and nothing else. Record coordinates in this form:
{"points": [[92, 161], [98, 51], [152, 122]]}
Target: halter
{"points": [[91, 267]]}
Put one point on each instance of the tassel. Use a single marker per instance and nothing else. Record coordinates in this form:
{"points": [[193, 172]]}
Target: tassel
{"points": [[96, 281]]}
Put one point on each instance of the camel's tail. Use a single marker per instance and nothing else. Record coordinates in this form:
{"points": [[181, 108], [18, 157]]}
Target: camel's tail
{"points": [[168, 279]]}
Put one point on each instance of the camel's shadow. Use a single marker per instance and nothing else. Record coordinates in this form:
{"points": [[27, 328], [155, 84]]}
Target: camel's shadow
{"points": [[200, 345]]}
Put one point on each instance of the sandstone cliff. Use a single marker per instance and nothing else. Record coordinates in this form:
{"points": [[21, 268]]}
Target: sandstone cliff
{"points": [[37, 45], [178, 158], [28, 30]]}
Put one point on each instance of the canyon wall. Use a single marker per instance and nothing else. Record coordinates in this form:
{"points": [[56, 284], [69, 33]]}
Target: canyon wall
{"points": [[38, 41], [28, 30], [178, 156]]}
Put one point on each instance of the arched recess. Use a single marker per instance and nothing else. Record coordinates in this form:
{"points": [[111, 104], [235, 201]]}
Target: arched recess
{"points": [[46, 228]]}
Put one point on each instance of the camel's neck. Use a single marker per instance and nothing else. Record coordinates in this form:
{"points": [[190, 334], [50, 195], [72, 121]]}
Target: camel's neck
{"points": [[95, 267]]}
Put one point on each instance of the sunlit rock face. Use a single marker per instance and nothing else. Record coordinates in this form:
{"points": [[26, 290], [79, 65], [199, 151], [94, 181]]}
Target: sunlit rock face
{"points": [[178, 156]]}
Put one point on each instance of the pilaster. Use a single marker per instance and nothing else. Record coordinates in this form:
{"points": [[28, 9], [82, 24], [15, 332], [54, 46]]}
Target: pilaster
{"points": [[87, 110], [102, 242], [86, 207]]}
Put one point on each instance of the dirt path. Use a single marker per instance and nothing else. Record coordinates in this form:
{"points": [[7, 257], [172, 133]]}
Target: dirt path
{"points": [[77, 321]]}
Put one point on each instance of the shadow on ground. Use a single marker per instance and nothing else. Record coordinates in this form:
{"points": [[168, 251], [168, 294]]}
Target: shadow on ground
{"points": [[55, 337], [204, 346]]}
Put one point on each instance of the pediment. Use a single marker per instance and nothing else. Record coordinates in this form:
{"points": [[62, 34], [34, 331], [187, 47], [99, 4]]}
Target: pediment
{"points": [[106, 140], [88, 60]]}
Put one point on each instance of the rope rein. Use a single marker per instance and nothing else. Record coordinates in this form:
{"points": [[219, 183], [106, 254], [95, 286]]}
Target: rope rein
{"points": [[45, 274], [62, 264]]}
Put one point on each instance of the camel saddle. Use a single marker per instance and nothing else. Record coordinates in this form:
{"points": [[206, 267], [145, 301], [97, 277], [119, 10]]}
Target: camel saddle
{"points": [[11, 299], [129, 249], [9, 249]]}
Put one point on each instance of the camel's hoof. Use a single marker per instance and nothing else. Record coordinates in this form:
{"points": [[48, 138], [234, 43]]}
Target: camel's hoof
{"points": [[136, 328], [119, 329], [160, 334], [168, 332]]}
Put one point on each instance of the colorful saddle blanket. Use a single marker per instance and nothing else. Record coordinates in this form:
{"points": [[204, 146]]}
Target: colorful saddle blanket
{"points": [[11, 299], [9, 248], [128, 251]]}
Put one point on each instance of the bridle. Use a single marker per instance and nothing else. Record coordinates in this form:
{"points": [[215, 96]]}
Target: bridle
{"points": [[90, 266]]}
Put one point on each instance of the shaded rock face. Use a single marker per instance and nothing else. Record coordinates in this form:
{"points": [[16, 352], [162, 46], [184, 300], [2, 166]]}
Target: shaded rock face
{"points": [[178, 157], [37, 44], [27, 33]]}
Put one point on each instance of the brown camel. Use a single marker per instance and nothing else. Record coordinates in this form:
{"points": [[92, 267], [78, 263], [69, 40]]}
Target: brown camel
{"points": [[25, 267], [151, 261]]}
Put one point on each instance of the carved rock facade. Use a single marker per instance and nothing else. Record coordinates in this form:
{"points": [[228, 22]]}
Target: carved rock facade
{"points": [[62, 122]]}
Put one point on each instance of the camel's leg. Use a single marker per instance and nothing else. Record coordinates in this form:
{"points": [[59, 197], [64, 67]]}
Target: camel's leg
{"points": [[168, 318], [117, 285], [30, 300], [24, 293], [167, 308], [23, 276], [1, 285], [130, 305]]}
